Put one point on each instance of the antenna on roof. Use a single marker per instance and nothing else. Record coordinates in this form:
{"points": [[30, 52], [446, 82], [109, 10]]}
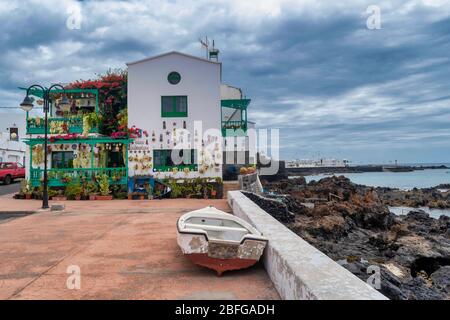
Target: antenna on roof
{"points": [[205, 44]]}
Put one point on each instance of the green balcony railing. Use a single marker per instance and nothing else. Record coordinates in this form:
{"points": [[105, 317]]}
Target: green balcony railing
{"points": [[62, 177], [84, 101], [57, 125], [231, 127]]}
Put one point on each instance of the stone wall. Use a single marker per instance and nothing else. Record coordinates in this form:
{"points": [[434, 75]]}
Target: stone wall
{"points": [[297, 269]]}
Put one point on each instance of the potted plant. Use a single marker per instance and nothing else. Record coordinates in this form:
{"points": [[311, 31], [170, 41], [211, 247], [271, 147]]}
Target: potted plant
{"points": [[22, 190], [74, 190], [66, 178], [37, 193], [59, 196], [91, 190], [52, 193], [149, 190], [28, 190], [104, 188], [213, 191]]}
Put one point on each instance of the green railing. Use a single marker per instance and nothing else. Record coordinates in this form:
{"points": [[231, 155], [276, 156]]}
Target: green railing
{"points": [[229, 127], [73, 121], [181, 167], [62, 177], [56, 125], [232, 107]]}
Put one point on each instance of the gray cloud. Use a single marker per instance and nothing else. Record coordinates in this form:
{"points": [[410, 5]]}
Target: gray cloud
{"points": [[312, 69]]}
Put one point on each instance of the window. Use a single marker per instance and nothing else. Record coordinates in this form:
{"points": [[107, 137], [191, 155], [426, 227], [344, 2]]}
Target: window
{"points": [[174, 77], [174, 106], [62, 159], [162, 159], [115, 159]]}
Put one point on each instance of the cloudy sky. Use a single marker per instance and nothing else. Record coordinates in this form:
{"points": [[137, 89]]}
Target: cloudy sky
{"points": [[313, 69]]}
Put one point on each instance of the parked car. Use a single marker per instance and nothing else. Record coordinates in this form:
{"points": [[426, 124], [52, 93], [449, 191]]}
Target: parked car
{"points": [[10, 171]]}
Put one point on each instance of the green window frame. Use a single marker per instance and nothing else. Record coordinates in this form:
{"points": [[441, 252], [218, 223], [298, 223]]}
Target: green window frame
{"points": [[62, 159], [162, 159], [174, 106]]}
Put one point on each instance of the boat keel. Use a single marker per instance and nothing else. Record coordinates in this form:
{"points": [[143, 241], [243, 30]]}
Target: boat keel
{"points": [[220, 265]]}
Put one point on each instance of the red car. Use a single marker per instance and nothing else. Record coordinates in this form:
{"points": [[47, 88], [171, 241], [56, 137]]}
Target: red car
{"points": [[10, 171]]}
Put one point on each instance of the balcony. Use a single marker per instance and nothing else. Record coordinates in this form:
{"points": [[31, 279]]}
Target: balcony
{"points": [[234, 117], [57, 125], [83, 158], [82, 103]]}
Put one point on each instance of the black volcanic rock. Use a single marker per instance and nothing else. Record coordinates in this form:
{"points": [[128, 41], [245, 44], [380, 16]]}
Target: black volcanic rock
{"points": [[352, 223], [275, 208]]}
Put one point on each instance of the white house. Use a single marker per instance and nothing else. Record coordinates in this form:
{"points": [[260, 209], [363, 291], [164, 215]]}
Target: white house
{"points": [[182, 105], [11, 148]]}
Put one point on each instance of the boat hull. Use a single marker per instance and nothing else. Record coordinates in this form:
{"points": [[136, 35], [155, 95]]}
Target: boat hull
{"points": [[220, 265], [219, 241], [220, 256]]}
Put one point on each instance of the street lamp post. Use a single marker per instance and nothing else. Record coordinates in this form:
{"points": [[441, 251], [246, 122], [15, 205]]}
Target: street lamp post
{"points": [[27, 105]]}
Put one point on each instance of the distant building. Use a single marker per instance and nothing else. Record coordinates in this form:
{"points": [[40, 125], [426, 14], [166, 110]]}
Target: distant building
{"points": [[11, 148], [309, 163]]}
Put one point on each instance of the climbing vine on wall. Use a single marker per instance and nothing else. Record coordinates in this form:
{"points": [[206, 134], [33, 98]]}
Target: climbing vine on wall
{"points": [[112, 88]]}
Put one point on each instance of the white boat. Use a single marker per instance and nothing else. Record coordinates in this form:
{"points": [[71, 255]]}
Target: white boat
{"points": [[218, 240]]}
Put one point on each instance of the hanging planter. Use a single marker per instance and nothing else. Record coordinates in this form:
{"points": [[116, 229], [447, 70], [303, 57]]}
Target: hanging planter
{"points": [[38, 154]]}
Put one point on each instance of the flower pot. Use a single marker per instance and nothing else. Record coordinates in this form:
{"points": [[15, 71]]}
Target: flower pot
{"points": [[59, 198], [92, 197], [28, 196], [77, 197], [130, 197], [141, 197], [103, 197]]}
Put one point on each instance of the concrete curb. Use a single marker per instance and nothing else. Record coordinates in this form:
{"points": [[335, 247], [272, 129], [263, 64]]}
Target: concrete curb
{"points": [[298, 270]]}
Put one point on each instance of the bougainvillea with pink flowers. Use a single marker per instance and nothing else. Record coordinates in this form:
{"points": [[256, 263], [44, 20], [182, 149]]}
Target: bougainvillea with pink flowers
{"points": [[112, 87], [132, 133], [68, 136]]}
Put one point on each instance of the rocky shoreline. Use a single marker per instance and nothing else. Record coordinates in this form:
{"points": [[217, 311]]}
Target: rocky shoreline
{"points": [[435, 198], [353, 225]]}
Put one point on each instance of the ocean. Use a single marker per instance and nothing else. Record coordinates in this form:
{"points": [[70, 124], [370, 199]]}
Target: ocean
{"points": [[401, 180]]}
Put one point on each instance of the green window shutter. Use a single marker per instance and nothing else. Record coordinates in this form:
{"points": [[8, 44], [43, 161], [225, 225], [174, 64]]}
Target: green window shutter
{"points": [[162, 160], [62, 159], [174, 106]]}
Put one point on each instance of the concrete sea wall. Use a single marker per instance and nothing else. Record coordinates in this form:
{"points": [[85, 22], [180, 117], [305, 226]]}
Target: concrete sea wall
{"points": [[297, 269]]}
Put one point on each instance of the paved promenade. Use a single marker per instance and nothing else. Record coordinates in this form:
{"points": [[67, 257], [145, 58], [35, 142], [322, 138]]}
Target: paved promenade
{"points": [[124, 249]]}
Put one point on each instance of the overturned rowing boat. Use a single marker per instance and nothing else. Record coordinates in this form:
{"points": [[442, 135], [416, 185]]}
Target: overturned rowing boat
{"points": [[218, 240]]}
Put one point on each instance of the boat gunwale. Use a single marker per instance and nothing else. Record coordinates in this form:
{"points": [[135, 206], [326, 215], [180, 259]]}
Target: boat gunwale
{"points": [[204, 233]]}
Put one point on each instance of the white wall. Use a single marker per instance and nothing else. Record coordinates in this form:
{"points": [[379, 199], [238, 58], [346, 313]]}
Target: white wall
{"points": [[297, 269], [11, 151], [230, 92], [147, 82]]}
